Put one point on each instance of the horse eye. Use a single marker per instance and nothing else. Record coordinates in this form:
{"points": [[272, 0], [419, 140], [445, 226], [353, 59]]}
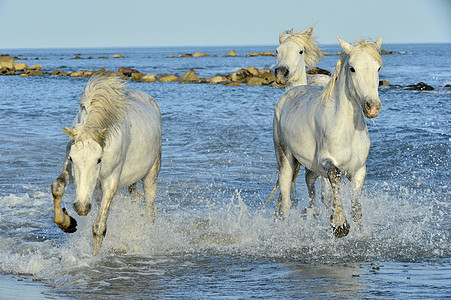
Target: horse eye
{"points": [[302, 51], [352, 69], [379, 69], [70, 159], [277, 51], [99, 161]]}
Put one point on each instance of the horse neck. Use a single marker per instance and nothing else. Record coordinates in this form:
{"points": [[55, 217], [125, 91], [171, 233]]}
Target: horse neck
{"points": [[346, 107], [298, 78]]}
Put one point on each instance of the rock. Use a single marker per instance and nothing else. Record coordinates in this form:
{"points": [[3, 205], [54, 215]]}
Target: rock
{"points": [[6, 61], [188, 77], [118, 56], [266, 53], [186, 55], [270, 77], [127, 71], [240, 76], [231, 53], [78, 57], [148, 78], [19, 66], [171, 56], [447, 85], [327, 54], [233, 84], [257, 81], [255, 72], [103, 56], [384, 82], [389, 52], [137, 76], [421, 86], [76, 74], [35, 67], [200, 54], [168, 78], [219, 79], [318, 71], [32, 73]]}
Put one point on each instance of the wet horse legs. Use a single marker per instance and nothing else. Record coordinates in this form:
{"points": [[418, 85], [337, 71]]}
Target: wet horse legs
{"points": [[338, 221]]}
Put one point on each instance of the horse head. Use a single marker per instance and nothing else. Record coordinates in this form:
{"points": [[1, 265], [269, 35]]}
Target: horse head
{"points": [[85, 156], [296, 52], [362, 65]]}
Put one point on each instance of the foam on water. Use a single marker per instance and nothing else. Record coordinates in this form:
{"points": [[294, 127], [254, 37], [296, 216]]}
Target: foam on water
{"points": [[407, 229]]}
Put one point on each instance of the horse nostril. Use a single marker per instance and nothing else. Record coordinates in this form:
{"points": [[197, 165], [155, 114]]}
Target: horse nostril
{"points": [[281, 71]]}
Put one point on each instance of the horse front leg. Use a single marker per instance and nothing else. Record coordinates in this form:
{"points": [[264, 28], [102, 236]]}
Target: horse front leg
{"points": [[338, 221], [99, 226], [356, 210], [60, 217]]}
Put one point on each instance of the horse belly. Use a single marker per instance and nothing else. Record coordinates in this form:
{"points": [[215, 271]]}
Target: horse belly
{"points": [[144, 148]]}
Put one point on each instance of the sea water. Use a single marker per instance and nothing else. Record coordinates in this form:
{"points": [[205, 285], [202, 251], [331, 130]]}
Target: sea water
{"points": [[213, 237]]}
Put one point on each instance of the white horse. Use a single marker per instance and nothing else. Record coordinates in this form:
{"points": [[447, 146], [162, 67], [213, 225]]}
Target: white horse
{"points": [[296, 52], [325, 130], [115, 140]]}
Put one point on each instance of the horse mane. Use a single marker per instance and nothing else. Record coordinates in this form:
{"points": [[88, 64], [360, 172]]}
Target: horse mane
{"points": [[104, 99], [364, 45], [312, 53]]}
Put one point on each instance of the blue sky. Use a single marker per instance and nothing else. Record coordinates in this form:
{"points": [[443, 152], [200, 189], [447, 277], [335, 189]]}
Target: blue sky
{"points": [[127, 23]]}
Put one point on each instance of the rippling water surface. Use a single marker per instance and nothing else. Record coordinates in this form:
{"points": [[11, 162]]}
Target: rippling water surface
{"points": [[212, 238]]}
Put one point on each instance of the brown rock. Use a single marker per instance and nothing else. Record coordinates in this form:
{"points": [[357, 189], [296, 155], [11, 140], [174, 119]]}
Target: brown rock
{"points": [[148, 78], [19, 66], [186, 55], [6, 61], [35, 67], [257, 81], [219, 79], [318, 71], [268, 76], [118, 56], [171, 56], [188, 77], [127, 71], [78, 57], [232, 53], [240, 76], [168, 78], [384, 82], [233, 84], [255, 72], [200, 54]]}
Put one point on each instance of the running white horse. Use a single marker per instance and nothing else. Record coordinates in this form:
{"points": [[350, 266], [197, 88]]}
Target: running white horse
{"points": [[325, 130], [115, 141], [296, 52]]}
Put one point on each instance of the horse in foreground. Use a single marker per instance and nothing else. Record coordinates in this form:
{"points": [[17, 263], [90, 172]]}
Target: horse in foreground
{"points": [[115, 140], [325, 131], [296, 52]]}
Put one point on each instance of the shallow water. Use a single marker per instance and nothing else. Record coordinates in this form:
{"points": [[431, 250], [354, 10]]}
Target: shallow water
{"points": [[211, 237]]}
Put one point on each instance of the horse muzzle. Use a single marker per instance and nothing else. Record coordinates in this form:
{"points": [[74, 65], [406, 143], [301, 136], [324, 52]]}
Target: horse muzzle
{"points": [[281, 74], [372, 108], [82, 209]]}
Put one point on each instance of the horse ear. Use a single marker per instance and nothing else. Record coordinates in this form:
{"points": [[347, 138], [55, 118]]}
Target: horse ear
{"points": [[310, 32], [70, 132], [103, 133], [379, 44], [282, 37], [346, 46]]}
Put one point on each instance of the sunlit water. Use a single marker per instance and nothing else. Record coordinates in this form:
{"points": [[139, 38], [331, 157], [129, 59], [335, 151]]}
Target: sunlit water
{"points": [[211, 237]]}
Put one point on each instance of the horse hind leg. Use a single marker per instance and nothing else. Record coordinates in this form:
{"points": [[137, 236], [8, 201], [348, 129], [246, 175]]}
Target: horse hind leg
{"points": [[338, 221], [310, 178], [150, 187], [287, 176], [133, 191]]}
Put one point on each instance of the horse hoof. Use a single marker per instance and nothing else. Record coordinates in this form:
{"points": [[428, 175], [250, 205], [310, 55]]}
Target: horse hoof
{"points": [[72, 227], [342, 230]]}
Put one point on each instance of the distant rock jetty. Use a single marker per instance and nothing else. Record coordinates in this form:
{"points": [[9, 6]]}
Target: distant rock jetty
{"points": [[250, 76], [232, 53]]}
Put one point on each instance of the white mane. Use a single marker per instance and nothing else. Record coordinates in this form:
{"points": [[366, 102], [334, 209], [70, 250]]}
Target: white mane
{"points": [[312, 53], [104, 99]]}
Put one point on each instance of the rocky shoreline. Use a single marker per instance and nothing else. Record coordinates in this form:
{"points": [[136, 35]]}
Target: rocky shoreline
{"points": [[250, 76]]}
